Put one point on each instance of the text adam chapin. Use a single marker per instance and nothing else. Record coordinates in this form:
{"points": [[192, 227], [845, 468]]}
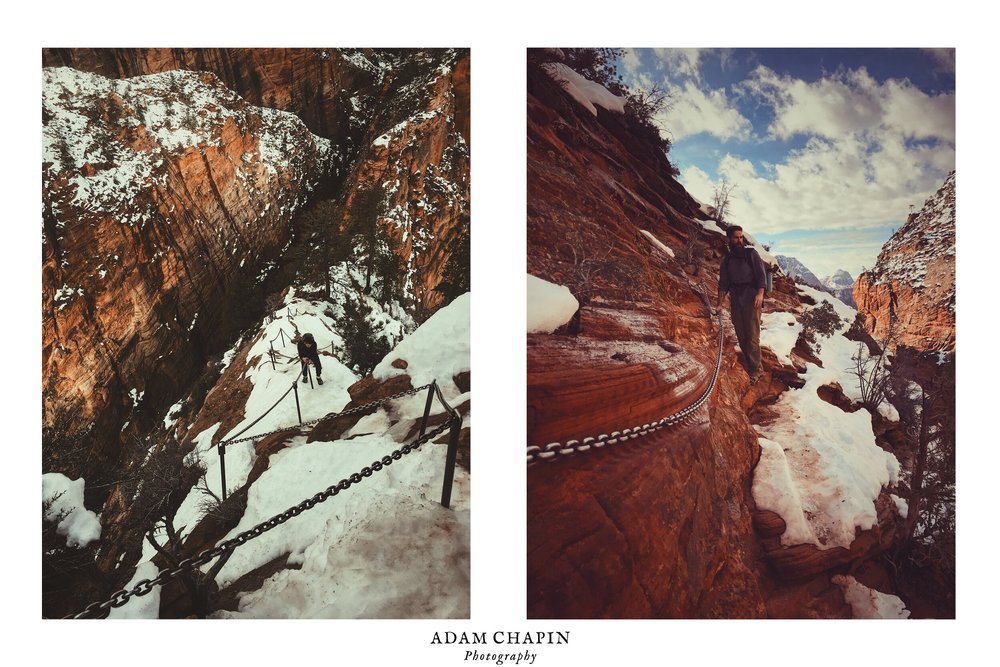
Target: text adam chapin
{"points": [[501, 638]]}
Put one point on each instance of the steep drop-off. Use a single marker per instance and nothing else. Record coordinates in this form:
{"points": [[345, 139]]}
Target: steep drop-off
{"points": [[906, 303], [168, 192], [160, 194]]}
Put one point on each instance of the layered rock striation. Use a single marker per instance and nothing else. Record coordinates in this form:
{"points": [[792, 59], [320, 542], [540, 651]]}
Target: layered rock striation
{"points": [[659, 526]]}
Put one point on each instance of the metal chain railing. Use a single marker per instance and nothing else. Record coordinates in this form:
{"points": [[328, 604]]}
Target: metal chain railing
{"points": [[146, 585], [255, 421], [555, 449], [345, 413], [222, 444], [281, 334]]}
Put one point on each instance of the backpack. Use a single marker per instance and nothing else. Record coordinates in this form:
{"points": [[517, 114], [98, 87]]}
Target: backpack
{"points": [[768, 276]]}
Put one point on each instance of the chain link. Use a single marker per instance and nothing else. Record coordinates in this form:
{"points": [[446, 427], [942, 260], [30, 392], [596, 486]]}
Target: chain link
{"points": [[554, 450], [146, 585]]}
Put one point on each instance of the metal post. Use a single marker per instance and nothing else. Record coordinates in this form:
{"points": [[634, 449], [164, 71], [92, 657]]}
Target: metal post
{"points": [[295, 387], [449, 463], [222, 461], [272, 356], [282, 337], [309, 375], [427, 408]]}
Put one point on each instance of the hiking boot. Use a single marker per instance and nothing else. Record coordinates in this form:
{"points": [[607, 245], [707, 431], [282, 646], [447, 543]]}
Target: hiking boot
{"points": [[755, 378], [319, 379]]}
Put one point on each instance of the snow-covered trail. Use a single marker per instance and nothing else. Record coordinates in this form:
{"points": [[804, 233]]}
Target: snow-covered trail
{"points": [[820, 467], [383, 546]]}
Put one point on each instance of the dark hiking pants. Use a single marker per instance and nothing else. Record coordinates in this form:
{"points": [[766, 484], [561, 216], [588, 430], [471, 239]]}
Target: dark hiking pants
{"points": [[315, 362], [746, 321]]}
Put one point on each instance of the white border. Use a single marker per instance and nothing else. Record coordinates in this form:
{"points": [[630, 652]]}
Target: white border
{"points": [[498, 35]]}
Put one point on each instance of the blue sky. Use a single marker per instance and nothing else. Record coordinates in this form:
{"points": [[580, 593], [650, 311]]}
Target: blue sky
{"points": [[827, 148]]}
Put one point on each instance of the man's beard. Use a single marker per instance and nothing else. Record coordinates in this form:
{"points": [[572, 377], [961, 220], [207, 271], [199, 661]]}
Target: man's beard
{"points": [[737, 249]]}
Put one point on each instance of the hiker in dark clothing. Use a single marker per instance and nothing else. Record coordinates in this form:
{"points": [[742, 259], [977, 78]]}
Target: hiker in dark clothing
{"points": [[742, 275], [308, 351]]}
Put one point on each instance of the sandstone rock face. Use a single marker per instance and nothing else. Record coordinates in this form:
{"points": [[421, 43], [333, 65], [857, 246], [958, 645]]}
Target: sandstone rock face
{"points": [[913, 280], [420, 162], [159, 193], [395, 118], [166, 190], [804, 561], [658, 526]]}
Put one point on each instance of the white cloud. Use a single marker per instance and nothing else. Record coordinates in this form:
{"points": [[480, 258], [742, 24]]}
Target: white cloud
{"points": [[631, 62], [698, 183], [695, 110], [850, 102], [727, 58], [755, 198], [693, 107], [909, 111], [872, 150], [680, 63], [828, 184]]}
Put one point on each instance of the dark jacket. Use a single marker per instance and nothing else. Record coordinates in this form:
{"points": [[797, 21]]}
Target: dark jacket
{"points": [[310, 352], [741, 276]]}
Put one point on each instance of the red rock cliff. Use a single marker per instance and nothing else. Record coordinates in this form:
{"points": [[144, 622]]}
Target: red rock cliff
{"points": [[398, 118], [420, 163], [659, 526], [165, 191], [913, 281], [159, 194]]}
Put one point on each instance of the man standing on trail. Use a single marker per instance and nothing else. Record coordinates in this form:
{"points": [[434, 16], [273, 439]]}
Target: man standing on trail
{"points": [[742, 276], [308, 351]]}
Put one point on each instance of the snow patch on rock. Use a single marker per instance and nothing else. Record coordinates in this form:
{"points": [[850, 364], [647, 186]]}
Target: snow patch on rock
{"points": [[550, 306]]}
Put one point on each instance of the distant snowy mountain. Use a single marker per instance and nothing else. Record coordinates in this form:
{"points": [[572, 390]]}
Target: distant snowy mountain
{"points": [[841, 284], [839, 280], [798, 272]]}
